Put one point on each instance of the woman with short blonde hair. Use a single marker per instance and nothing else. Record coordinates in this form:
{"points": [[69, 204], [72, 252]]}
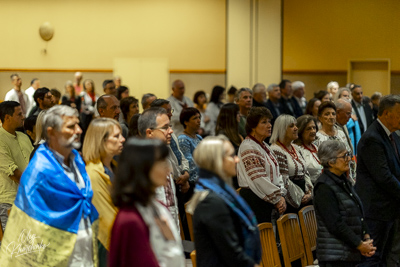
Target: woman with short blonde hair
{"points": [[225, 228], [102, 142]]}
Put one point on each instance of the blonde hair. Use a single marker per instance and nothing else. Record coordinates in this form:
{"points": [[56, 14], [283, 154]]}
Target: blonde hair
{"points": [[97, 134], [39, 128], [209, 154]]}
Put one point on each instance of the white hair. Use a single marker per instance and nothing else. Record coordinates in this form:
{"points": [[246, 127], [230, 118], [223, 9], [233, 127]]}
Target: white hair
{"points": [[280, 126], [331, 84], [297, 85], [54, 118], [257, 88]]}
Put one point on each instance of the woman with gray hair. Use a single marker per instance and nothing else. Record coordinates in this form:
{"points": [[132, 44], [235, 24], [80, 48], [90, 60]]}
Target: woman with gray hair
{"points": [[292, 165], [225, 228], [342, 233]]}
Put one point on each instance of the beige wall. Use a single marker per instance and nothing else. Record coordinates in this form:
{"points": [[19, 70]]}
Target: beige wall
{"points": [[254, 29], [324, 35], [89, 34]]}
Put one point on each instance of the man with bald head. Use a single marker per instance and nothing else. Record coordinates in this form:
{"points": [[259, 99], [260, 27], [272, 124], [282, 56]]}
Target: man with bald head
{"points": [[108, 107], [178, 102]]}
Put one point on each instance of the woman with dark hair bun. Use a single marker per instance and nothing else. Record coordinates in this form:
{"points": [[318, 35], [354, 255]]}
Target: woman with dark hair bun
{"points": [[213, 108], [144, 233]]}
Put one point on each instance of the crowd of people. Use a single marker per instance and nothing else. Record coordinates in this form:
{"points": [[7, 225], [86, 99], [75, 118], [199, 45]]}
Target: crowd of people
{"points": [[99, 184]]}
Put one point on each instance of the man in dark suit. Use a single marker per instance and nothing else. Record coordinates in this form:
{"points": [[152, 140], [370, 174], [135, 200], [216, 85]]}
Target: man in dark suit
{"points": [[363, 110], [273, 104], [288, 102], [259, 95], [378, 177]]}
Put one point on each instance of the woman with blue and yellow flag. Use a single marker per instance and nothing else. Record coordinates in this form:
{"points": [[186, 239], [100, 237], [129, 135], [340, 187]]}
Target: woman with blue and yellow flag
{"points": [[53, 221]]}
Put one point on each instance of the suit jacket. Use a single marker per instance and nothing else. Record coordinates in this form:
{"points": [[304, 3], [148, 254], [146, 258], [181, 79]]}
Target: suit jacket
{"points": [[378, 174], [269, 105], [368, 115], [297, 112]]}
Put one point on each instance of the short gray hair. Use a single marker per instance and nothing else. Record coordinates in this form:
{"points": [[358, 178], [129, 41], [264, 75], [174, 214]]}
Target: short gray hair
{"points": [[340, 91], [297, 85], [257, 87], [388, 102], [328, 151], [341, 102], [271, 87], [240, 91], [54, 118], [280, 126], [148, 119]]}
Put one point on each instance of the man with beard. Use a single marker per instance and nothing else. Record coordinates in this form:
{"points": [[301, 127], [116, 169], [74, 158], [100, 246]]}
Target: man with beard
{"points": [[54, 201]]}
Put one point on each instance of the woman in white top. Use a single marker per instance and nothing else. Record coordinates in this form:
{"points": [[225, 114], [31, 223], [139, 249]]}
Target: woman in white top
{"points": [[258, 170], [328, 131], [292, 165], [307, 130], [212, 110]]}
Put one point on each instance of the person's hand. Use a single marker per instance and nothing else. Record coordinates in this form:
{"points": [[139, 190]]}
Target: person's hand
{"points": [[185, 187], [183, 178], [206, 119], [367, 248], [306, 198], [281, 205], [354, 117]]}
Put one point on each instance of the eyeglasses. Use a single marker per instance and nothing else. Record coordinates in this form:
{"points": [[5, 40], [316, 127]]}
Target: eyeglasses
{"points": [[163, 128], [345, 156]]}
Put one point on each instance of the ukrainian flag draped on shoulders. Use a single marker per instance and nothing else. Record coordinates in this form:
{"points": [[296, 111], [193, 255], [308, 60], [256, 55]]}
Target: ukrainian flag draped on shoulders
{"points": [[44, 220]]}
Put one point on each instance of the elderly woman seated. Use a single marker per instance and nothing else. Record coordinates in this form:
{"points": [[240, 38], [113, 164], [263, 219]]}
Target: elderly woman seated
{"points": [[342, 234]]}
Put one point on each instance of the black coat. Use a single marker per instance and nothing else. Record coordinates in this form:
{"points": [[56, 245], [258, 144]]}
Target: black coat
{"points": [[217, 235], [297, 112], [368, 114], [378, 174]]}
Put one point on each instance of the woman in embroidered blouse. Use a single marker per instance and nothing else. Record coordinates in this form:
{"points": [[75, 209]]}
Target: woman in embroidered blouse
{"points": [[292, 165], [102, 142], [307, 130], [188, 141], [258, 170], [144, 233]]}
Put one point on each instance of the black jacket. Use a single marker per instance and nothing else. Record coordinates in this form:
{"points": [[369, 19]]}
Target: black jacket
{"points": [[217, 235], [341, 225], [296, 109], [368, 115], [378, 174]]}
